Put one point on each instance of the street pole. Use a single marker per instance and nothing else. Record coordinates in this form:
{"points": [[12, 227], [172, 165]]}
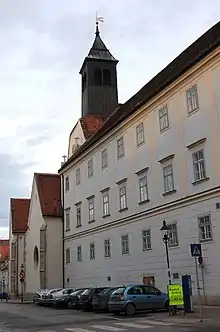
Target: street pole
{"points": [[198, 291]]}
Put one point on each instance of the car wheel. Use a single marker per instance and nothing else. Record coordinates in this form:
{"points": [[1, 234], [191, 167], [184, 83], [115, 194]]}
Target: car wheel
{"points": [[130, 309], [167, 306]]}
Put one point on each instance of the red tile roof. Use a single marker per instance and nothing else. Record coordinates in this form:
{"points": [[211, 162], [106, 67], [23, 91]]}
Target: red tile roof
{"points": [[90, 124], [4, 249], [49, 191], [19, 214]]}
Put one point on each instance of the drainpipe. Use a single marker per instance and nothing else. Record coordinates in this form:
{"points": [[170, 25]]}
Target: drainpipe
{"points": [[17, 268], [63, 234]]}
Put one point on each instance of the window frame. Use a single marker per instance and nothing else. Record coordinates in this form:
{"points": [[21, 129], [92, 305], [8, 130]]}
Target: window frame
{"points": [[67, 224], [90, 168], [163, 115], [92, 251], [91, 216], [198, 163], [107, 248], [192, 98], [104, 158], [67, 183], [78, 176], [79, 253], [106, 193], [125, 243], [140, 139], [204, 216], [172, 244], [120, 148], [142, 176], [146, 240], [67, 256], [168, 176], [78, 215], [123, 203]]}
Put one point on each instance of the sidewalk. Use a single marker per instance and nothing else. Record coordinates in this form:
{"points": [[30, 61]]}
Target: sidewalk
{"points": [[16, 301]]}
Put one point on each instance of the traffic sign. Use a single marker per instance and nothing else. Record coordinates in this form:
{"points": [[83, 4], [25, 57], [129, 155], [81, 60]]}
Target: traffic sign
{"points": [[196, 249]]}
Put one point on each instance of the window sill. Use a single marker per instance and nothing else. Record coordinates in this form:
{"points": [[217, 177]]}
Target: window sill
{"points": [[169, 192], [193, 112], [144, 202], [105, 216], [206, 241], [144, 250], [125, 253], [140, 144], [201, 180], [107, 257], [124, 209], [78, 226], [165, 129], [67, 230], [91, 221]]}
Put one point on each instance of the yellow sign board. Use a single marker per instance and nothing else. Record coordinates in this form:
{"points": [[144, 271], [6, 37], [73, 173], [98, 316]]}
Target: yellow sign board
{"points": [[175, 293]]}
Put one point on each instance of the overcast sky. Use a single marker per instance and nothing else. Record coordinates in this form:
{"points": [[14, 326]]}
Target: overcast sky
{"points": [[43, 44]]}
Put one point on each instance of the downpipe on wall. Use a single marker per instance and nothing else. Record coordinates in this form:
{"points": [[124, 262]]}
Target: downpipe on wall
{"points": [[63, 231]]}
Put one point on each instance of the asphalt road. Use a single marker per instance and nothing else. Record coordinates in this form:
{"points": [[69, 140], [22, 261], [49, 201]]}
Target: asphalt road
{"points": [[31, 318]]}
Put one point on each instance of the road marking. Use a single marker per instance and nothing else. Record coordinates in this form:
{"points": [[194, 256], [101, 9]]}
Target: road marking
{"points": [[136, 326], [77, 329], [108, 328], [155, 322]]}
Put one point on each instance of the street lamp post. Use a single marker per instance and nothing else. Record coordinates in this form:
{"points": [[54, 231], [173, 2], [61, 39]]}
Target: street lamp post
{"points": [[165, 230]]}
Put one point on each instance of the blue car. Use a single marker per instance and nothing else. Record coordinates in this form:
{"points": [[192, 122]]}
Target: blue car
{"points": [[132, 298]]}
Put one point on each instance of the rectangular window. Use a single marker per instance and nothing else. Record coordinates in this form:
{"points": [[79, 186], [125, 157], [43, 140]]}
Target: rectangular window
{"points": [[143, 187], [67, 256], [104, 156], [168, 178], [199, 165], [205, 228], [120, 148], [122, 197], [79, 253], [91, 203], [78, 215], [125, 244], [90, 167], [173, 235], [78, 176], [163, 118], [67, 184], [105, 201], [107, 247], [92, 250], [192, 99], [140, 134], [67, 219], [146, 240]]}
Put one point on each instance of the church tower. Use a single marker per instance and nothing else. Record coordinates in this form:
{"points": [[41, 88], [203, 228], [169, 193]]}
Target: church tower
{"points": [[99, 80]]}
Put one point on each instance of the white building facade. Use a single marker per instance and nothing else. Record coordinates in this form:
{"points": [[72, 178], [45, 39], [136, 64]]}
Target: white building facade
{"points": [[156, 158]]}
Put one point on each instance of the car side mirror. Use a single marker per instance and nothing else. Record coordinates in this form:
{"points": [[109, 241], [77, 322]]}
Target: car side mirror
{"points": [[158, 292]]}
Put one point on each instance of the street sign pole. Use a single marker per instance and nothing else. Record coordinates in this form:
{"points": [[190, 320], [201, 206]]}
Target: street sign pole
{"points": [[198, 291]]}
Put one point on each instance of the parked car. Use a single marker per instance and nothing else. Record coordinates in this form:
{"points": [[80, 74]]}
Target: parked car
{"points": [[74, 298], [38, 295], [132, 298], [47, 296], [100, 300], [62, 297], [85, 298], [4, 296]]}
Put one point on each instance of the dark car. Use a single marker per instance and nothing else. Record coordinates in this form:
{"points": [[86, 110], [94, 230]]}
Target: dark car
{"points": [[100, 301], [4, 296], [86, 297], [74, 298]]}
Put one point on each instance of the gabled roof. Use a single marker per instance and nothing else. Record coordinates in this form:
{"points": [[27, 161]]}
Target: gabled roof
{"points": [[49, 192], [90, 124], [19, 214], [196, 52], [98, 51]]}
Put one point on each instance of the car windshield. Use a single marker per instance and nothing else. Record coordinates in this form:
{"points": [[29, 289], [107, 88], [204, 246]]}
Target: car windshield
{"points": [[119, 291], [86, 291]]}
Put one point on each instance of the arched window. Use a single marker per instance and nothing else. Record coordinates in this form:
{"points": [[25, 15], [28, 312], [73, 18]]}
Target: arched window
{"points": [[98, 76], [84, 78], [106, 77]]}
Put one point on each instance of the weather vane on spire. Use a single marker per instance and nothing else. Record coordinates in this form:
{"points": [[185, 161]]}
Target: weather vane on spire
{"points": [[99, 19]]}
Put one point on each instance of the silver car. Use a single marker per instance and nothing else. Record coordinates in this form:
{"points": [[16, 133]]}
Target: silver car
{"points": [[62, 297]]}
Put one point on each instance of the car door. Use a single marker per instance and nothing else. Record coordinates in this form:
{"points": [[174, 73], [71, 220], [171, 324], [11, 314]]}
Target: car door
{"points": [[152, 297], [136, 295]]}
